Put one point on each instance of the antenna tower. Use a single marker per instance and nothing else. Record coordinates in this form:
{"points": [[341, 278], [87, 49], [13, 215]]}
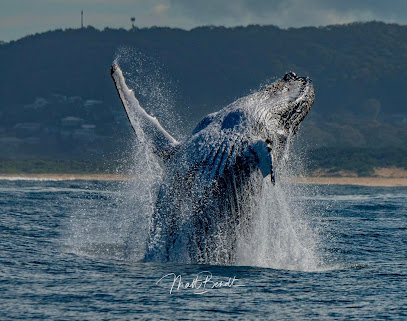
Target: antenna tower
{"points": [[132, 22]]}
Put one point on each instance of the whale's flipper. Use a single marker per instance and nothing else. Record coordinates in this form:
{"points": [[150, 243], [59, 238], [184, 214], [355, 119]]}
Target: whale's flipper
{"points": [[163, 142], [264, 159]]}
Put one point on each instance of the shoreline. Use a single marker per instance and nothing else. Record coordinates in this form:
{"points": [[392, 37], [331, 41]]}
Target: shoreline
{"points": [[372, 181], [63, 177], [317, 180]]}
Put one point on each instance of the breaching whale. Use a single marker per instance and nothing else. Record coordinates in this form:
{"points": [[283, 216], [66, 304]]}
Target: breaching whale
{"points": [[211, 179]]}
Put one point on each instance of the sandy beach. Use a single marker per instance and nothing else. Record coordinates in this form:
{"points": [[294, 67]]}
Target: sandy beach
{"points": [[383, 177], [361, 181]]}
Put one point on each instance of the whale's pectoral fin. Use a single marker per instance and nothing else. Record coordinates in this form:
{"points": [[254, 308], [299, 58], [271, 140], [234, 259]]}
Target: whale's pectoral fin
{"points": [[264, 159], [162, 142]]}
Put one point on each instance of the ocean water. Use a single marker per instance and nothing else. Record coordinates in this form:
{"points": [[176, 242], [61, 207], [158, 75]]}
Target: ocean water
{"points": [[70, 250]]}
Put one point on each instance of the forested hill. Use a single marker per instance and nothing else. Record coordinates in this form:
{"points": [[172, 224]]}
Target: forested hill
{"points": [[56, 87], [213, 65]]}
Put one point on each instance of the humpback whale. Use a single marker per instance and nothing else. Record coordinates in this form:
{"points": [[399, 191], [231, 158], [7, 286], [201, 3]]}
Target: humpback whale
{"points": [[205, 202]]}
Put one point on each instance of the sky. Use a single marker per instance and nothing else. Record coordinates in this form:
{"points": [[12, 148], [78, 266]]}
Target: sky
{"points": [[19, 18]]}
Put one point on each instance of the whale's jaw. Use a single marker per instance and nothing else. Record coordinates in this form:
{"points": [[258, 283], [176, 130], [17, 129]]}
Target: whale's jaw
{"points": [[300, 107], [285, 104], [277, 112]]}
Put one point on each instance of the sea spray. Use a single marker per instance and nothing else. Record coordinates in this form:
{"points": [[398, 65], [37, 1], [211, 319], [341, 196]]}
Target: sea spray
{"points": [[156, 91], [283, 234], [282, 237], [278, 234], [126, 220], [146, 77]]}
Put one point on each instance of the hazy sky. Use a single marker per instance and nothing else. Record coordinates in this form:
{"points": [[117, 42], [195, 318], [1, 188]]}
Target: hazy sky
{"points": [[21, 17]]}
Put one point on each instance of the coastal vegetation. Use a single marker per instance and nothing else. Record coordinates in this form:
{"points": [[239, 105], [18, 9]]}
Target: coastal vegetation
{"points": [[361, 161], [59, 111]]}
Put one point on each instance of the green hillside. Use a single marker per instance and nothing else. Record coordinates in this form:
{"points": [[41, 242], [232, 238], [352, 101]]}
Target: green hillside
{"points": [[57, 100]]}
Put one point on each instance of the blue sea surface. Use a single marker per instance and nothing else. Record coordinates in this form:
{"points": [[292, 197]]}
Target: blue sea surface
{"points": [[63, 256]]}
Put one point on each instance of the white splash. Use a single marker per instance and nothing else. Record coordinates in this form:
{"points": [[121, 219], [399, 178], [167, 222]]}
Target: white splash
{"points": [[281, 236]]}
